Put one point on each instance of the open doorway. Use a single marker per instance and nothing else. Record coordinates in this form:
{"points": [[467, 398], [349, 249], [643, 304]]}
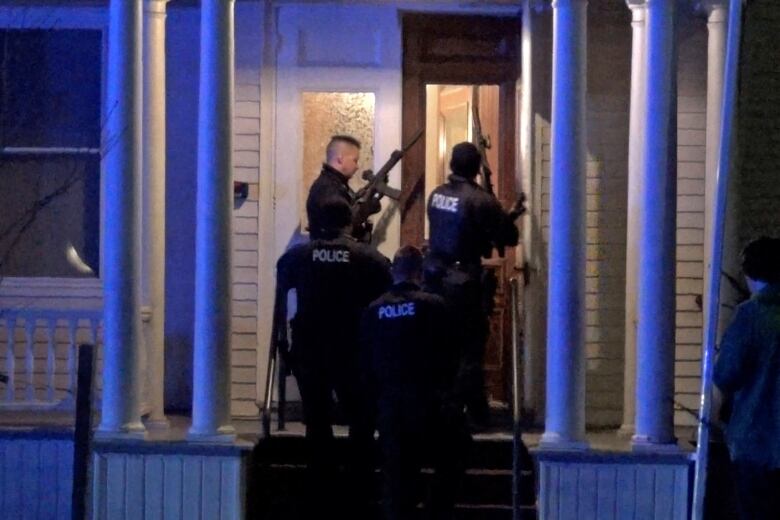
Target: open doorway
{"points": [[449, 120], [452, 64]]}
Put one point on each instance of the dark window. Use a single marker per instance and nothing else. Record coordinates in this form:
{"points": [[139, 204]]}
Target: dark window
{"points": [[50, 84]]}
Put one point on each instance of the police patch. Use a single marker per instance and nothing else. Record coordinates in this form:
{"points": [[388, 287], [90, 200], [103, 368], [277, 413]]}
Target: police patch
{"points": [[445, 203], [397, 310], [330, 256]]}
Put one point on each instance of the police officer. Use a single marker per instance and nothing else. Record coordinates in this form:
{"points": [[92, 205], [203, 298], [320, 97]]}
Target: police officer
{"points": [[335, 278], [466, 222], [341, 163], [410, 364]]}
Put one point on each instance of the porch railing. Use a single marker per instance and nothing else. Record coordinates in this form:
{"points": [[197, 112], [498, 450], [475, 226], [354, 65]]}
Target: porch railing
{"points": [[38, 351]]}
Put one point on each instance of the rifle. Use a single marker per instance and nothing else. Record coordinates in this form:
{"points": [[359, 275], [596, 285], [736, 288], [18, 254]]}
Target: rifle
{"points": [[483, 142], [483, 145], [368, 197]]}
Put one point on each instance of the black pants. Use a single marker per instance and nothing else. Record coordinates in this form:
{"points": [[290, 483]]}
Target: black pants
{"points": [[317, 381], [758, 491], [467, 294], [411, 439]]}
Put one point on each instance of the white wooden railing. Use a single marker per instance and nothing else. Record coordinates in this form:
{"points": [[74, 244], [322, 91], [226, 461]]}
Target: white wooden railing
{"points": [[39, 355]]}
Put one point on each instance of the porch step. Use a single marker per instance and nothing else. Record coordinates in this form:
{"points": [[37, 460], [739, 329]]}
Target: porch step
{"points": [[278, 478], [490, 451]]}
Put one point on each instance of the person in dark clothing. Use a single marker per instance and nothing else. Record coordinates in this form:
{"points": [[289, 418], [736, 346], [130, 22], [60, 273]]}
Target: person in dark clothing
{"points": [[335, 278], [341, 164], [748, 371], [410, 363], [466, 223]]}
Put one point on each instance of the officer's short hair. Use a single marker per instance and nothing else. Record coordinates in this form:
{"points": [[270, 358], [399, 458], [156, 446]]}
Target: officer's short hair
{"points": [[408, 261], [335, 141], [335, 214], [761, 260], [466, 160]]}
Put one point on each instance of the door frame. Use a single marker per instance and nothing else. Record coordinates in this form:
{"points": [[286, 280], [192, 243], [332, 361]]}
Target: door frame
{"points": [[463, 50]]}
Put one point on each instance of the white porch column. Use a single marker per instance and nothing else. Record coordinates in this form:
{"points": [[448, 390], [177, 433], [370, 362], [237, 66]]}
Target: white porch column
{"points": [[636, 121], [717, 18], [565, 421], [213, 244], [153, 215], [532, 255], [121, 409], [657, 223]]}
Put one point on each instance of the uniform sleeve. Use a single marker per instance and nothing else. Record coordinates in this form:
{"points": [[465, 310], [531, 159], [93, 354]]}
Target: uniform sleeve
{"points": [[312, 205], [283, 271], [734, 364], [501, 227]]}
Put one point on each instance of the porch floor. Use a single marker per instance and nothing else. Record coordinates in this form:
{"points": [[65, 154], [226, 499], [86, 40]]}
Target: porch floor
{"points": [[607, 440]]}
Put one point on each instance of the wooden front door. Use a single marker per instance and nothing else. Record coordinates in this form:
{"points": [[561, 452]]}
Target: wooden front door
{"points": [[450, 52]]}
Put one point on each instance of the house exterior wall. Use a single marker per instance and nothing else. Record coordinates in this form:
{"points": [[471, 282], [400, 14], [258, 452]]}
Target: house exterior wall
{"points": [[608, 91], [609, 55], [691, 148], [183, 44]]}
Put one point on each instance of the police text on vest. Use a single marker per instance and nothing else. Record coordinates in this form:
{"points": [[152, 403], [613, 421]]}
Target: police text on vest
{"points": [[445, 203], [397, 310], [331, 256]]}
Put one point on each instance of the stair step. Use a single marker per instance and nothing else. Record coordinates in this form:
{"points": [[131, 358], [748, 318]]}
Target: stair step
{"points": [[279, 480], [487, 453], [280, 483]]}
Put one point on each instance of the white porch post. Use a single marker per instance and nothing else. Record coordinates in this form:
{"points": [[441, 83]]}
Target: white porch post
{"points": [[657, 222], [153, 220], [637, 118], [533, 325], [213, 244], [717, 18], [565, 421], [121, 409]]}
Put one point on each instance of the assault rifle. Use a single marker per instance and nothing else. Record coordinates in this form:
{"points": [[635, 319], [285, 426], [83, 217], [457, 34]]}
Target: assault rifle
{"points": [[483, 145], [482, 142], [368, 197]]}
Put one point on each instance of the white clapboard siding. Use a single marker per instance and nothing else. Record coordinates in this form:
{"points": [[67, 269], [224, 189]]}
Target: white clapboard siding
{"points": [[169, 480], [613, 487], [36, 471], [246, 162]]}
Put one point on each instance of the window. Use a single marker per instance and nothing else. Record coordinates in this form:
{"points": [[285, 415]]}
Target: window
{"points": [[50, 92]]}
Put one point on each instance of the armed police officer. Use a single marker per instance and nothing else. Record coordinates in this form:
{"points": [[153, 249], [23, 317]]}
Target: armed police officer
{"points": [[341, 163], [466, 223], [335, 278], [410, 365]]}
